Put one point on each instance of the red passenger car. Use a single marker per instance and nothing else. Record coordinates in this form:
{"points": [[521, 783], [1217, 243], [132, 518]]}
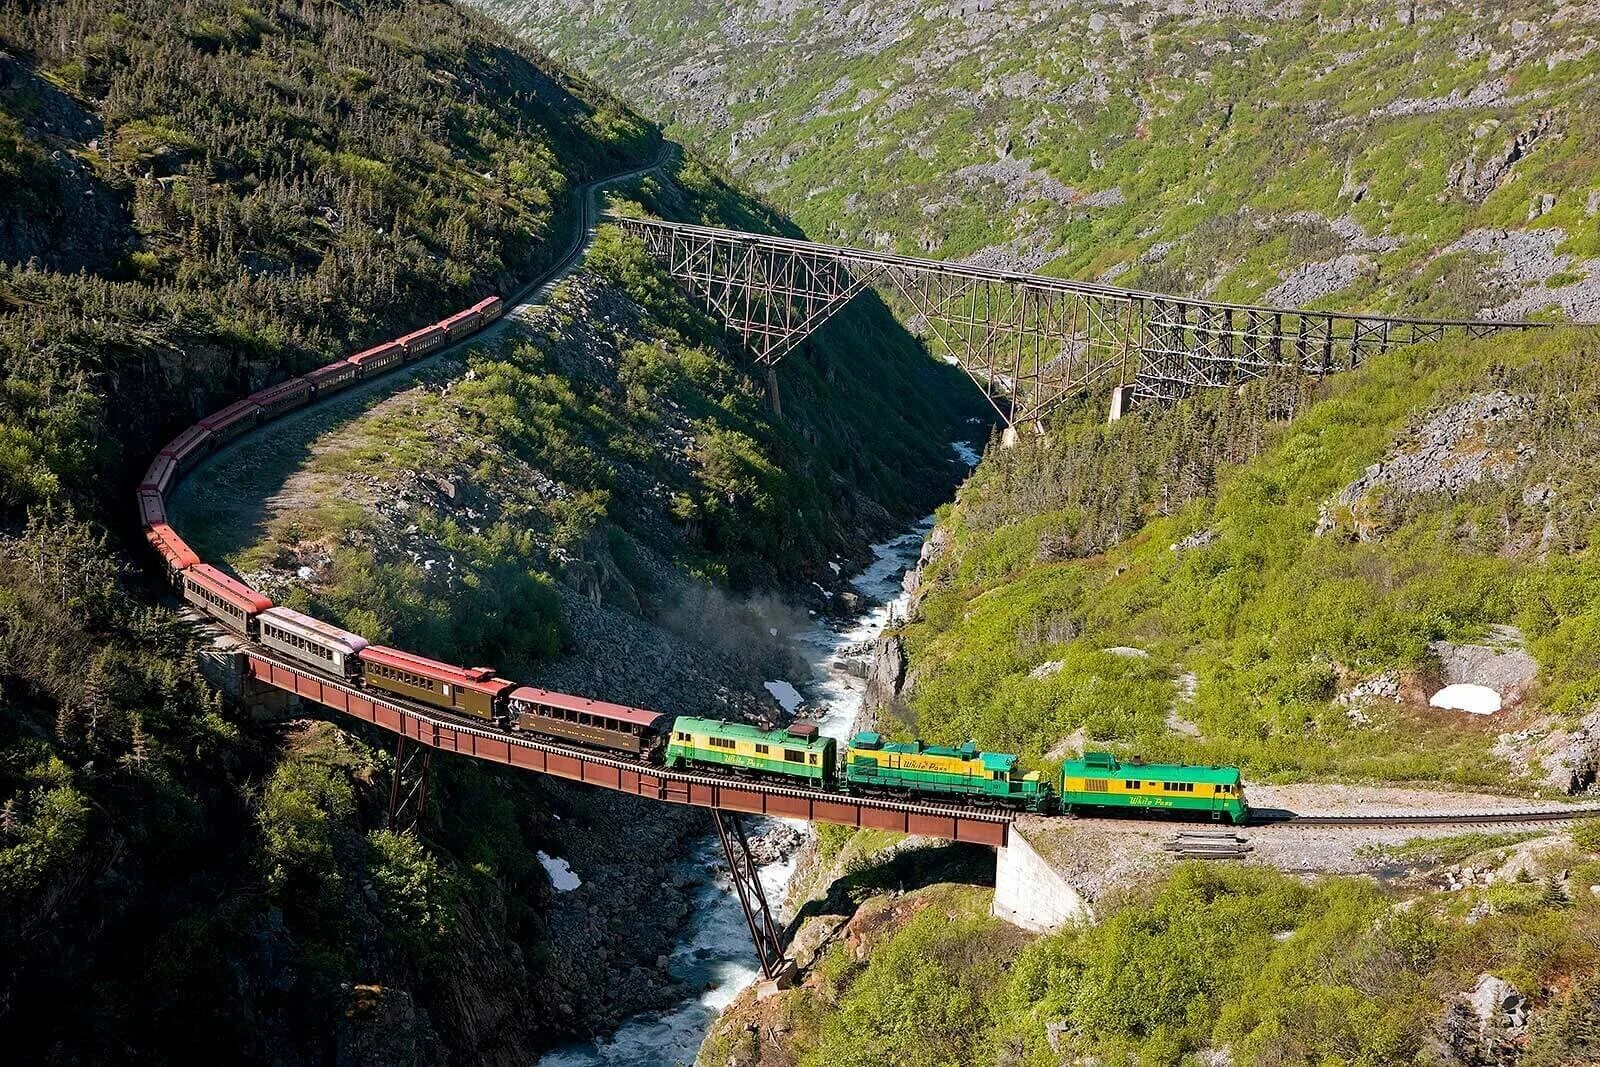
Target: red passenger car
{"points": [[333, 376], [460, 325], [170, 547], [224, 598], [274, 400], [489, 308], [187, 448], [152, 509], [159, 474], [231, 421], [423, 341], [378, 358]]}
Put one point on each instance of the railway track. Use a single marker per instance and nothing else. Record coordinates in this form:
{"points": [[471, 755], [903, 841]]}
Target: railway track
{"points": [[1269, 818]]}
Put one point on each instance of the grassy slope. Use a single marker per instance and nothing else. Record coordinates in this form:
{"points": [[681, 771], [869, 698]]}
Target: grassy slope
{"points": [[1218, 131], [1271, 619], [1274, 969]]}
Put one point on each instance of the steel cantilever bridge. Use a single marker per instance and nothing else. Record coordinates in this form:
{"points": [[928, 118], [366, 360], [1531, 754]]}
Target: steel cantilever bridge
{"points": [[1029, 341]]}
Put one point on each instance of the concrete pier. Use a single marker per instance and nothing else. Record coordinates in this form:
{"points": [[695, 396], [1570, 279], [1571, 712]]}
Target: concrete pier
{"points": [[1029, 893]]}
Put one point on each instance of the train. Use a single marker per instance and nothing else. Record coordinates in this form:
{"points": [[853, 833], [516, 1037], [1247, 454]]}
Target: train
{"points": [[869, 765]]}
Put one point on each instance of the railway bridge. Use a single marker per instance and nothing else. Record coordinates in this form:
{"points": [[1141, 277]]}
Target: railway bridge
{"points": [[1029, 341]]}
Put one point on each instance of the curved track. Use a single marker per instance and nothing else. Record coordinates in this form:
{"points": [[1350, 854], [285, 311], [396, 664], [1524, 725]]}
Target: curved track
{"points": [[485, 741]]}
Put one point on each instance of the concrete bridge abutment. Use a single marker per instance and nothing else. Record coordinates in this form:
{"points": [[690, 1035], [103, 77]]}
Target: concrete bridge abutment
{"points": [[1030, 893]]}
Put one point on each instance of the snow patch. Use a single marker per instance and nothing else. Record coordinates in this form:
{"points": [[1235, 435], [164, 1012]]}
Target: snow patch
{"points": [[562, 878], [787, 696], [1476, 699]]}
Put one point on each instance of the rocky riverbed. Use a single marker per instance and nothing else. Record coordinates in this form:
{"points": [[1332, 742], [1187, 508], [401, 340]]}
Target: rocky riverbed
{"points": [[714, 960]]}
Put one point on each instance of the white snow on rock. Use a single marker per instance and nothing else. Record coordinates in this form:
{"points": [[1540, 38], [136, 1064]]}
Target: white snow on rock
{"points": [[562, 878], [1127, 652], [787, 696], [1477, 699]]}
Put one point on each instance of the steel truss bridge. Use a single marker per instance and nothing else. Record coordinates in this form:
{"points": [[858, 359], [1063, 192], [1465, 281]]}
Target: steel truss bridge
{"points": [[1027, 340]]}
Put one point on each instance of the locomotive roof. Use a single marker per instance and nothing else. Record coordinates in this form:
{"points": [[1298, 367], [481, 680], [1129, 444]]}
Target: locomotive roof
{"points": [[308, 626], [619, 712], [868, 741], [478, 679], [718, 728], [1105, 765]]}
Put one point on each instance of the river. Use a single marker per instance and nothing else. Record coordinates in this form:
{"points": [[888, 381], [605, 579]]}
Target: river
{"points": [[716, 956]]}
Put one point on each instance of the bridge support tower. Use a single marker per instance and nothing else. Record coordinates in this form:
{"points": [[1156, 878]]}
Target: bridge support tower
{"points": [[776, 968], [408, 792]]}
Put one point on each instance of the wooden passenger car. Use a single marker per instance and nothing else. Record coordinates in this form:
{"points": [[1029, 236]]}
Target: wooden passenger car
{"points": [[588, 722], [224, 598], [461, 324], [311, 641], [489, 308], [472, 691], [422, 341]]}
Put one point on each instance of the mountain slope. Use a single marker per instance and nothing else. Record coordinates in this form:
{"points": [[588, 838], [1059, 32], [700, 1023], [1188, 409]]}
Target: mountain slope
{"points": [[195, 200], [1421, 158]]}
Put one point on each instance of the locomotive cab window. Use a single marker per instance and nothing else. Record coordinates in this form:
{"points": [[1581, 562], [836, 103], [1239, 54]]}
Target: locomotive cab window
{"points": [[791, 756], [762, 750]]}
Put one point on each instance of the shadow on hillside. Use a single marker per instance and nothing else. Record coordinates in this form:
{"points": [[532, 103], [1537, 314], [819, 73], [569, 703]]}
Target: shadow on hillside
{"points": [[903, 872]]}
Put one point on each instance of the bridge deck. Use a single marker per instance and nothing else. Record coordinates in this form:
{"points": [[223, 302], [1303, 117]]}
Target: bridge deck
{"points": [[487, 742]]}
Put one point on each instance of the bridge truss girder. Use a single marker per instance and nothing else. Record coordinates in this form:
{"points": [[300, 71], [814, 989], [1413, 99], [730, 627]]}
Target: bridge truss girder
{"points": [[1028, 341]]}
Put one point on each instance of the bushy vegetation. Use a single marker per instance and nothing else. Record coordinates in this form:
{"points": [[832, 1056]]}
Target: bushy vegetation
{"points": [[345, 173], [582, 447], [195, 199], [1274, 969], [1100, 538]]}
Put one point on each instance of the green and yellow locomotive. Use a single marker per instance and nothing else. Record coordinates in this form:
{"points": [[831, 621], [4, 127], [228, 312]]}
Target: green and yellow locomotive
{"points": [[799, 752], [873, 765], [1100, 780]]}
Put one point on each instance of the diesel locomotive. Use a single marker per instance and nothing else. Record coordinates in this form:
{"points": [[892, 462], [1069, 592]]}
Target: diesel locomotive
{"points": [[798, 755]]}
